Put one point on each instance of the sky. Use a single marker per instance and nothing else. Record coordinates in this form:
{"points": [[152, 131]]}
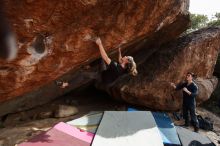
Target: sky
{"points": [[206, 7]]}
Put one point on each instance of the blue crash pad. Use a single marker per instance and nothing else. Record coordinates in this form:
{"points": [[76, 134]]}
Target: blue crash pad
{"points": [[166, 127]]}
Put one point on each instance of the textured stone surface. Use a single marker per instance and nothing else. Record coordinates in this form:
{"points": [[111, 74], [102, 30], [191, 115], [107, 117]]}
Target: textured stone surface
{"points": [[65, 111], [206, 87], [217, 67], [196, 52], [52, 38]]}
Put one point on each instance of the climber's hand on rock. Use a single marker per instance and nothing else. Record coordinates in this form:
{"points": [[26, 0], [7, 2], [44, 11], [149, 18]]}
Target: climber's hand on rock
{"points": [[98, 41], [119, 49]]}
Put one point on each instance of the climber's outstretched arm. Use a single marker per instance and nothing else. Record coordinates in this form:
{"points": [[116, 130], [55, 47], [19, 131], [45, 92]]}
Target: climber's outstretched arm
{"points": [[102, 51], [119, 55]]}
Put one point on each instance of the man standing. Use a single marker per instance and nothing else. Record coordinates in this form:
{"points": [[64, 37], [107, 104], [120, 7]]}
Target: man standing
{"points": [[190, 91]]}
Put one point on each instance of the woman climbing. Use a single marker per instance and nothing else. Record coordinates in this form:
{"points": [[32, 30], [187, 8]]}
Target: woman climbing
{"points": [[109, 70]]}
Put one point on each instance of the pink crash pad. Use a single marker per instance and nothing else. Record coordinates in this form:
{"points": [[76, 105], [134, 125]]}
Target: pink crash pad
{"points": [[61, 135]]}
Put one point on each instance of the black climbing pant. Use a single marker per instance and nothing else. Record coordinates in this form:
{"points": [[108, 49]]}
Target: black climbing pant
{"points": [[192, 111]]}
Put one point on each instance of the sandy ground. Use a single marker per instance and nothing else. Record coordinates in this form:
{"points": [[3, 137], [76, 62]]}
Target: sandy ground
{"points": [[15, 129]]}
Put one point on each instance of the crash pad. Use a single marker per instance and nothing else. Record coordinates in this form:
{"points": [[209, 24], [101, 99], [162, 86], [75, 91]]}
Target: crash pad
{"points": [[61, 135], [122, 128], [88, 122], [189, 138]]}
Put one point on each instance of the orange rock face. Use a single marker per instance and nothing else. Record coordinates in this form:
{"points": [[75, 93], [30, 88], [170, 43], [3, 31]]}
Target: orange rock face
{"points": [[52, 35], [54, 39]]}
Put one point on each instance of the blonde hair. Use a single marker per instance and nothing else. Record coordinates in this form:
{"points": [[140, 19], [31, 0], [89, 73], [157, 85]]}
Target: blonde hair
{"points": [[132, 68]]}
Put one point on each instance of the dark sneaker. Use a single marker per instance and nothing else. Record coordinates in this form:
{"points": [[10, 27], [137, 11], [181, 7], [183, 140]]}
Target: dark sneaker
{"points": [[186, 125], [59, 83], [62, 84], [196, 129]]}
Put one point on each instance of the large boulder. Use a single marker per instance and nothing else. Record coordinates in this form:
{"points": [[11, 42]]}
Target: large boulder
{"points": [[196, 52], [217, 67], [54, 40], [206, 88]]}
